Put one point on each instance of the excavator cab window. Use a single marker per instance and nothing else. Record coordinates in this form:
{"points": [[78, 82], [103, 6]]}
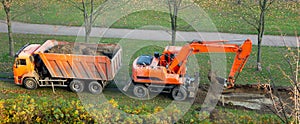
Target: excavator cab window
{"points": [[169, 57], [172, 56]]}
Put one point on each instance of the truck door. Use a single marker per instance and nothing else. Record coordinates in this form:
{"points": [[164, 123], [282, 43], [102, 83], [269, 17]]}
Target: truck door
{"points": [[20, 68]]}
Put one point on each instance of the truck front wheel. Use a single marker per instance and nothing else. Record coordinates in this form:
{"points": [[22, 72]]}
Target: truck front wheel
{"points": [[30, 83], [76, 86], [95, 87]]}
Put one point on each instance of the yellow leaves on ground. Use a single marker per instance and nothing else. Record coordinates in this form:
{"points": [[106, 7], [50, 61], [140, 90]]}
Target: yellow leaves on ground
{"points": [[25, 109], [113, 103]]}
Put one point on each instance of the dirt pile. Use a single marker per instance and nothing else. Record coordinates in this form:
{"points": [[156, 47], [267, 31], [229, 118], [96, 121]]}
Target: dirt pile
{"points": [[63, 49], [108, 50]]}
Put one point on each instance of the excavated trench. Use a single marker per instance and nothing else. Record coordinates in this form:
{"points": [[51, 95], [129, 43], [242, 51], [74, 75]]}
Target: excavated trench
{"points": [[252, 97]]}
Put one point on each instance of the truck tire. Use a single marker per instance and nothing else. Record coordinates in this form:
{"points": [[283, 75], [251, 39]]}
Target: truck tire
{"points": [[140, 91], [95, 88], [179, 93], [76, 86], [30, 83]]}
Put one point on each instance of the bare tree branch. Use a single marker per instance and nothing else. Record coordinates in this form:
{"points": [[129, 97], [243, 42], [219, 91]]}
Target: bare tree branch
{"points": [[251, 23], [102, 7], [279, 97], [92, 10], [275, 113], [74, 4], [170, 7], [292, 78], [261, 4], [270, 3], [24, 12], [184, 7]]}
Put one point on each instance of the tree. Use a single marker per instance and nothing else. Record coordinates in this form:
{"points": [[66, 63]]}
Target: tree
{"points": [[288, 113], [258, 22], [87, 7], [11, 15], [6, 6], [174, 6]]}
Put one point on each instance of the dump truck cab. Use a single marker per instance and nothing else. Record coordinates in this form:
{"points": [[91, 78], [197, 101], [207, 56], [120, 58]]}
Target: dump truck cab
{"points": [[24, 63]]}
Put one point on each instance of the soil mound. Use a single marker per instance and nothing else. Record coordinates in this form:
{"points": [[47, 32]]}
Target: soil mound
{"points": [[108, 50]]}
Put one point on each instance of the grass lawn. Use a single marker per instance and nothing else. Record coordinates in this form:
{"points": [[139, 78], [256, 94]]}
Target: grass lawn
{"points": [[283, 17]]}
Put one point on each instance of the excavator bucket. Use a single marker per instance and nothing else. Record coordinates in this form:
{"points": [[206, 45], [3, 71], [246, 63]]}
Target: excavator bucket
{"points": [[212, 77]]}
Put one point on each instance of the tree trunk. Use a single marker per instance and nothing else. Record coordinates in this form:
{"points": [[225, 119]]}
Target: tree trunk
{"points": [[90, 21], [261, 29], [174, 29], [173, 10], [259, 68], [173, 36], [86, 22], [9, 28], [10, 36], [87, 33], [87, 29]]}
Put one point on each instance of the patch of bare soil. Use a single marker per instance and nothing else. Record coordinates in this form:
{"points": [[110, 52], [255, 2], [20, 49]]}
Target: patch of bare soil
{"points": [[249, 97], [108, 50]]}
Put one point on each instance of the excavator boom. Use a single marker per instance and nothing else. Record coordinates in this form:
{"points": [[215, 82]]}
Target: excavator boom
{"points": [[242, 53]]}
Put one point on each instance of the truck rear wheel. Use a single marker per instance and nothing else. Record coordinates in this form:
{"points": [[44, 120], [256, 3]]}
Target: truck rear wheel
{"points": [[95, 88], [140, 91], [76, 86], [30, 83], [179, 93]]}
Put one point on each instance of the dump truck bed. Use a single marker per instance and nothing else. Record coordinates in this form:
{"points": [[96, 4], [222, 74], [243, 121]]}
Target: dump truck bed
{"points": [[81, 60]]}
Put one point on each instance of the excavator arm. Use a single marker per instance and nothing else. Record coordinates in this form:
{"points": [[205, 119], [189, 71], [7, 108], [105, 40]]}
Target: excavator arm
{"points": [[242, 53]]}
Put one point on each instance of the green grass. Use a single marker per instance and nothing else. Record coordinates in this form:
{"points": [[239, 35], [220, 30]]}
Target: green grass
{"points": [[283, 17]]}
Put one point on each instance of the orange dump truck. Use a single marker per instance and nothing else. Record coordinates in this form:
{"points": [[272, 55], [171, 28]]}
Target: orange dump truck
{"points": [[76, 65]]}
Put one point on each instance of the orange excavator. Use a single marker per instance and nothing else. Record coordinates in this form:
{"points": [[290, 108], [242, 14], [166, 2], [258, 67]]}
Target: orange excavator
{"points": [[166, 71]]}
